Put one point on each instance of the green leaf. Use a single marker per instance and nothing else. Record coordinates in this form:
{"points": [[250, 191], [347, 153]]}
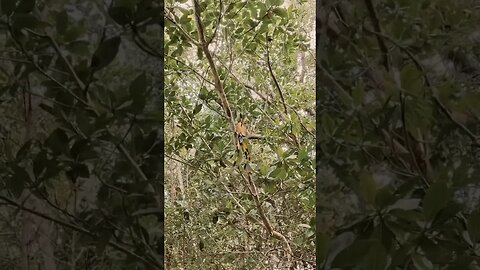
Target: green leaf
{"points": [[405, 204], [203, 94], [79, 47], [57, 141], [82, 150], [121, 15], [126, 3], [280, 12], [302, 154], [277, 172], [280, 152], [352, 255], [8, 6], [419, 113], [384, 197], [61, 22], [105, 53], [322, 244], [411, 79], [24, 150], [138, 89], [283, 173], [436, 252], [17, 181], [367, 186], [40, 163], [197, 108], [376, 259], [296, 126], [473, 226], [78, 170], [84, 123], [274, 2], [421, 263], [461, 175], [436, 198], [139, 84], [328, 124], [25, 6], [264, 168], [358, 94], [399, 256], [73, 32], [22, 20], [270, 186], [102, 242], [448, 212]]}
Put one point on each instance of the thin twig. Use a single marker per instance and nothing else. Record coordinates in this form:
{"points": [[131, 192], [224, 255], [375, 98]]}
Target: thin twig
{"points": [[191, 69], [475, 139], [38, 68], [78, 229], [408, 144], [219, 19], [376, 25], [182, 31], [275, 80], [79, 82]]}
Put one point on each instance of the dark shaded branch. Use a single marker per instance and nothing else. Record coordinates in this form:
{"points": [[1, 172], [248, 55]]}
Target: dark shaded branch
{"points": [[79, 229], [142, 43], [275, 81], [475, 139], [39, 69], [376, 25], [79, 82]]}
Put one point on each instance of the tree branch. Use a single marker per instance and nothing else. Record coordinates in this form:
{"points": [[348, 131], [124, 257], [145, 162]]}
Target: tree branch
{"points": [[266, 222], [218, 84], [475, 139], [39, 69], [182, 31], [376, 25], [79, 82], [220, 16], [79, 229], [275, 81]]}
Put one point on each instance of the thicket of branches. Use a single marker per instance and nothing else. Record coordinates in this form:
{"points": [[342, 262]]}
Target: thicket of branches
{"points": [[224, 60], [398, 134], [80, 127]]}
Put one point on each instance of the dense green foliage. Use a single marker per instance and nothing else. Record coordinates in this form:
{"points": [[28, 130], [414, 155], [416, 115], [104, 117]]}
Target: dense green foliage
{"points": [[398, 131], [212, 216], [80, 128]]}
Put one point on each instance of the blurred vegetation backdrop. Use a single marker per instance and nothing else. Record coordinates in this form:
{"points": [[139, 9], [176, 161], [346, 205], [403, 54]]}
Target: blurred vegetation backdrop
{"points": [[225, 59], [80, 134], [398, 134]]}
